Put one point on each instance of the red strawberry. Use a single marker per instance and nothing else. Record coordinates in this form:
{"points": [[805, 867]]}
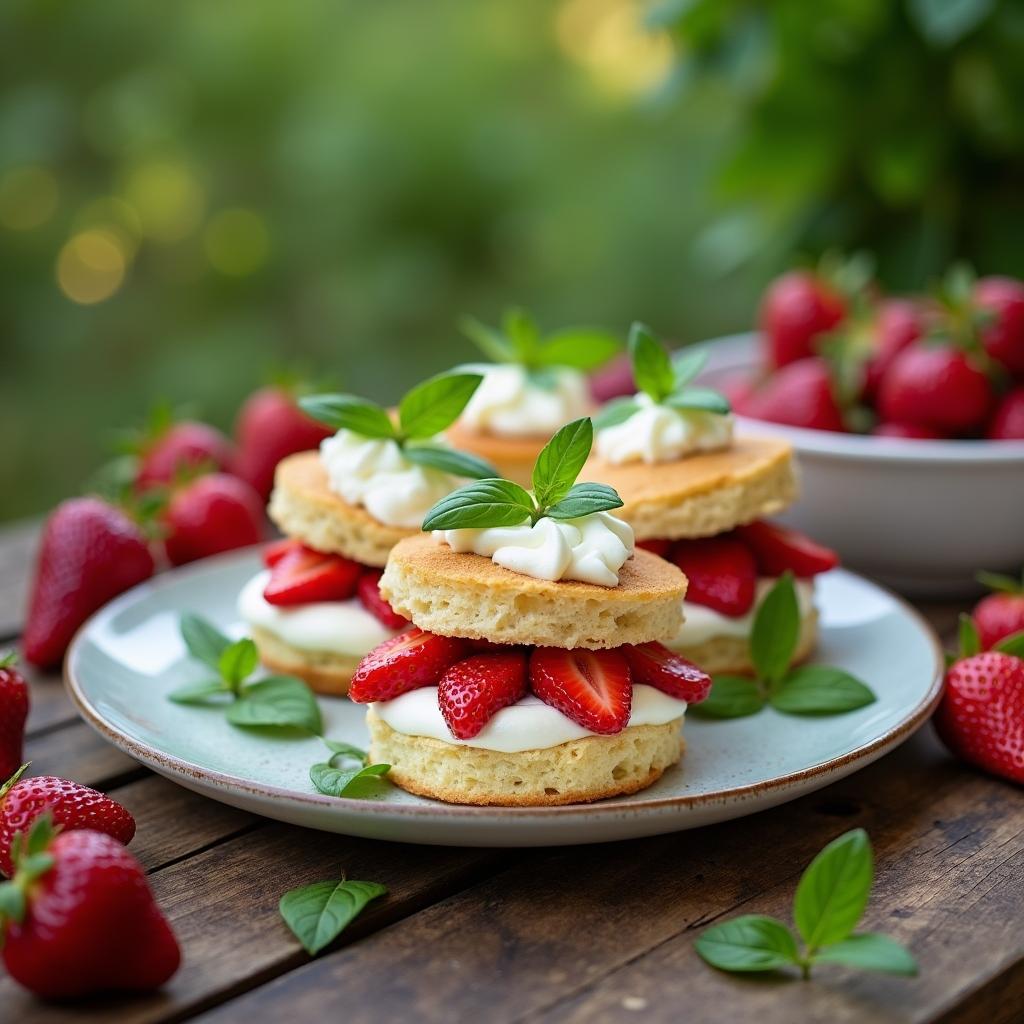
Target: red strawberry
{"points": [[907, 430], [474, 690], [90, 552], [897, 324], [211, 514], [79, 918], [70, 805], [1003, 338], [655, 545], [721, 570], [593, 688], [935, 386], [404, 663], [1008, 422], [14, 704], [1002, 613], [798, 395], [796, 310], [368, 590], [981, 716], [271, 426], [182, 446], [276, 550], [301, 575], [657, 666], [777, 548]]}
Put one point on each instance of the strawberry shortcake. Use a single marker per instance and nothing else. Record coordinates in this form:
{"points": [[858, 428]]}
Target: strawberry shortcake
{"points": [[535, 673]]}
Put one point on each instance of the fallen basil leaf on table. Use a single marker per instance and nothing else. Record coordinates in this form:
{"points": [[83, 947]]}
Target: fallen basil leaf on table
{"points": [[318, 913], [752, 942], [279, 701], [350, 782], [870, 952], [834, 890]]}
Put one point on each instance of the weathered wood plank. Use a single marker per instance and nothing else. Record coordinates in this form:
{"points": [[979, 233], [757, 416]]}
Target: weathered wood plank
{"points": [[17, 552], [50, 705]]}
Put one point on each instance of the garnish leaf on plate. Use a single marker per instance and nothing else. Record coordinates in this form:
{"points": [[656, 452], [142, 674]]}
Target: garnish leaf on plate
{"points": [[776, 630], [238, 661], [202, 692], [730, 697], [350, 782], [277, 701], [204, 641], [349, 412], [820, 690], [317, 914]]}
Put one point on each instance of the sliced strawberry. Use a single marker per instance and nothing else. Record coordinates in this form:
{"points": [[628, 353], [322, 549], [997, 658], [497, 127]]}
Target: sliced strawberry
{"points": [[657, 666], [368, 590], [656, 546], [404, 663], [302, 575], [474, 690], [275, 551], [777, 548], [722, 573], [593, 688], [490, 647]]}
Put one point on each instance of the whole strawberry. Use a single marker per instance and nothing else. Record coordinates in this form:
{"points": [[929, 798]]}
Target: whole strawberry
{"points": [[270, 426], [801, 394], [981, 715], [897, 324], [1001, 614], [1008, 420], [1003, 337], [79, 918], [211, 514], [69, 805], [179, 447], [797, 309], [14, 705], [90, 552]]}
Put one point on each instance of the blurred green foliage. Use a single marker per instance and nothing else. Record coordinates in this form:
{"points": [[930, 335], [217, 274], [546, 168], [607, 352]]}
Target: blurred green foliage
{"points": [[193, 193]]}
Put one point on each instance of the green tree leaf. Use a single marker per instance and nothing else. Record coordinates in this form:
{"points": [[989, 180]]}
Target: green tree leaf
{"points": [[436, 404], [489, 340], [752, 942], [204, 641], [833, 891], [238, 661], [776, 630], [278, 701], [561, 460], [450, 461], [820, 690], [205, 692], [483, 503], [617, 411], [349, 412], [700, 400], [317, 914], [350, 782], [581, 348], [652, 368], [730, 697], [870, 952], [583, 499]]}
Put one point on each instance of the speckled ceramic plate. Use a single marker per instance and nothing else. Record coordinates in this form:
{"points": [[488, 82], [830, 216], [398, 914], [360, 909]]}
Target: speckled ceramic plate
{"points": [[129, 655]]}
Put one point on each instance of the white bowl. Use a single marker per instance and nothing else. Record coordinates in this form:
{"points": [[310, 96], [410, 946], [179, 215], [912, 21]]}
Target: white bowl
{"points": [[923, 516]]}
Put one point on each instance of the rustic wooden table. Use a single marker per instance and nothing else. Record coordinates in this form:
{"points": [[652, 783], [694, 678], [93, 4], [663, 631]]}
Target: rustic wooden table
{"points": [[600, 933]]}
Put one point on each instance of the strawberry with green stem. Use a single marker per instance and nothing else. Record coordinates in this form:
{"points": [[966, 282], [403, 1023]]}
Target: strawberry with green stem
{"points": [[1001, 613]]}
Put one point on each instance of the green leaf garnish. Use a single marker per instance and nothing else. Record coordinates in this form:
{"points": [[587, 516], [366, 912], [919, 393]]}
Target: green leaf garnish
{"points": [[349, 412], [350, 782], [686, 364], [277, 702], [776, 630], [561, 460], [581, 348], [583, 500], [484, 503], [652, 368], [203, 692], [699, 400], [489, 340], [1012, 644], [731, 697], [238, 661], [820, 690], [450, 461], [752, 942], [617, 411], [339, 749], [204, 642], [435, 404], [834, 890], [317, 914]]}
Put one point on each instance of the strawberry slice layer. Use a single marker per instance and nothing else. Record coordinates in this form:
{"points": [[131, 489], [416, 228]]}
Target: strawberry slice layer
{"points": [[657, 666], [592, 688], [276, 550], [405, 662], [301, 575], [722, 573], [778, 548], [368, 590], [656, 546], [472, 691]]}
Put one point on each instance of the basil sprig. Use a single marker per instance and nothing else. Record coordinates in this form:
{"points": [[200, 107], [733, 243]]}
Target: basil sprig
{"points": [[519, 340], [317, 914], [830, 900], [664, 379], [803, 690], [496, 502], [423, 412]]}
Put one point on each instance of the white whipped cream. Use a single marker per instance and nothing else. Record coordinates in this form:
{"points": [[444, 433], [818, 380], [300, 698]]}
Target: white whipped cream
{"points": [[529, 724], [336, 627], [703, 623], [373, 473], [657, 433], [509, 404], [591, 549]]}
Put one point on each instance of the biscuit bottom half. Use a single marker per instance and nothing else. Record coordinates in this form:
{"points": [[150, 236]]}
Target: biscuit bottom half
{"points": [[326, 672], [592, 768]]}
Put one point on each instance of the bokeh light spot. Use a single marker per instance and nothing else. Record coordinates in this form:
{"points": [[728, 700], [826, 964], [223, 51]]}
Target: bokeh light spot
{"points": [[91, 266], [28, 197], [115, 216], [168, 199], [237, 242]]}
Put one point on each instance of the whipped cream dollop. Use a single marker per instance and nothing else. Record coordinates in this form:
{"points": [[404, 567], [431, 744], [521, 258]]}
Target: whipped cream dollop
{"points": [[529, 724], [657, 433], [511, 403], [703, 623], [591, 549], [335, 627], [373, 473]]}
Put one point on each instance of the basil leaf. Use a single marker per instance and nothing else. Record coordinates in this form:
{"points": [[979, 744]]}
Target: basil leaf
{"points": [[583, 499], [317, 914], [238, 661], [581, 348], [348, 412], [199, 693], [522, 333], [205, 642], [752, 942], [687, 364], [701, 399], [561, 460], [776, 630], [448, 461], [436, 403], [833, 891], [968, 638], [545, 378], [820, 690], [278, 701], [490, 341], [350, 782], [617, 411], [870, 952], [339, 749], [652, 368], [481, 504], [730, 697], [1000, 582], [1012, 644]]}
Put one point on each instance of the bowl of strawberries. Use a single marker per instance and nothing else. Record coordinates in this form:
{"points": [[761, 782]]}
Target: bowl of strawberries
{"points": [[907, 414]]}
